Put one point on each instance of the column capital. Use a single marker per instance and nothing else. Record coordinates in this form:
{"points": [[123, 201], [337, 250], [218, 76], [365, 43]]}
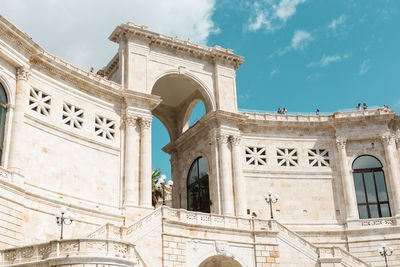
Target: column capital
{"points": [[222, 138], [22, 73], [388, 139], [129, 120], [144, 123], [235, 140], [341, 142]]}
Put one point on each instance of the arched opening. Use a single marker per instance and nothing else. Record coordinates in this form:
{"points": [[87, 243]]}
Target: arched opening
{"points": [[160, 138], [220, 261], [370, 186], [198, 191], [180, 96], [194, 112], [3, 110]]}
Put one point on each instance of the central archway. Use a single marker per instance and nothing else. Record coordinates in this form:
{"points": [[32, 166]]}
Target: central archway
{"points": [[220, 261]]}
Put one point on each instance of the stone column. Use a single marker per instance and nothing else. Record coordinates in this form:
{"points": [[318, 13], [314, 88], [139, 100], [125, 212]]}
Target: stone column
{"points": [[226, 180], [393, 167], [350, 200], [145, 162], [239, 183], [131, 162], [15, 160], [398, 145]]}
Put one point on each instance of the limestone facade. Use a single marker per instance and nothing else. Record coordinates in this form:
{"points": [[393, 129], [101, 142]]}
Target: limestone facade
{"points": [[83, 140]]}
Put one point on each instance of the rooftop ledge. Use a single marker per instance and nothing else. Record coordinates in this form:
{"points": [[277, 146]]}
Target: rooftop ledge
{"points": [[323, 117], [190, 48]]}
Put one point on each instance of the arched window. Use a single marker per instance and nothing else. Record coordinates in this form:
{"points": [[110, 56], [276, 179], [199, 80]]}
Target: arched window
{"points": [[371, 192], [3, 110], [198, 195]]}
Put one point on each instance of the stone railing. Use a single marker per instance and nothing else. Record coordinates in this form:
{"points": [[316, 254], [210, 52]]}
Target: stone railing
{"points": [[71, 249], [362, 113], [206, 219], [4, 175], [329, 254], [108, 231], [135, 227]]}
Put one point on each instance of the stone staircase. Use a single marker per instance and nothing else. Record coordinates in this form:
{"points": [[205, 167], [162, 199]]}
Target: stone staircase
{"points": [[324, 256]]}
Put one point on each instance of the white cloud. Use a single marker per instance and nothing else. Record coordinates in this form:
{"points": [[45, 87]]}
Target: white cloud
{"points": [[77, 30], [365, 67], [272, 14], [300, 40], [273, 73], [339, 22], [326, 60]]}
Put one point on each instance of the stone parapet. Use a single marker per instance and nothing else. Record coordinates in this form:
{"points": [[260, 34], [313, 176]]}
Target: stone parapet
{"points": [[71, 251]]}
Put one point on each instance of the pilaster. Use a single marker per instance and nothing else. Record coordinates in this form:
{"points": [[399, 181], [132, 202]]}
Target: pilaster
{"points": [[239, 183], [393, 167], [145, 162], [347, 181], [226, 180], [15, 161]]}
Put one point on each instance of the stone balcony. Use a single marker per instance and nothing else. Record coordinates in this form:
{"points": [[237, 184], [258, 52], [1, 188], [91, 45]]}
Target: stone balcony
{"points": [[70, 252]]}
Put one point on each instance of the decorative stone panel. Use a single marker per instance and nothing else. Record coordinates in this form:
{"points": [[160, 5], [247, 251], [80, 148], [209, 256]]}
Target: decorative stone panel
{"points": [[72, 115], [318, 157], [256, 156], [39, 102], [287, 157], [104, 127]]}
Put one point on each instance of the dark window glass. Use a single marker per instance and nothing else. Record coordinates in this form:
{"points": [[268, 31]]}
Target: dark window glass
{"points": [[366, 162], [371, 192], [359, 185], [198, 187], [3, 110]]}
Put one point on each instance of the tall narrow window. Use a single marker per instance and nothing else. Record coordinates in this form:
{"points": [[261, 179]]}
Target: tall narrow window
{"points": [[371, 192], [198, 195], [3, 110]]}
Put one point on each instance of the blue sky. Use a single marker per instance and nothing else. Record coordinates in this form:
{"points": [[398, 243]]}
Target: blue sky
{"points": [[301, 54]]}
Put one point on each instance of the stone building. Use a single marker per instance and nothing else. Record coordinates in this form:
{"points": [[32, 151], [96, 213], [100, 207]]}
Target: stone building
{"points": [[83, 140]]}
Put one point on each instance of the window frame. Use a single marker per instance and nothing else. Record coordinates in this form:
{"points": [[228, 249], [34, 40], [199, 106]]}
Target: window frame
{"points": [[368, 203], [197, 183]]}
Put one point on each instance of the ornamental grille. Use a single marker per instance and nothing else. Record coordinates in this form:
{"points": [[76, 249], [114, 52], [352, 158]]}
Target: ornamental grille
{"points": [[39, 102], [72, 115], [104, 127], [256, 156], [318, 157], [287, 157]]}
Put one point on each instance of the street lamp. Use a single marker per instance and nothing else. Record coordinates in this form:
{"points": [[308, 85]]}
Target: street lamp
{"points": [[385, 252], [63, 218], [162, 182], [269, 198]]}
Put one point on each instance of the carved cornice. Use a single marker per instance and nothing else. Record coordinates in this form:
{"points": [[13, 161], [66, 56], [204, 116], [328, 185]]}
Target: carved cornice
{"points": [[172, 43], [22, 73], [341, 142]]}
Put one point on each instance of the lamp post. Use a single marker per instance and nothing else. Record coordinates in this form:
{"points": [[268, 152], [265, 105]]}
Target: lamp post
{"points": [[385, 252], [269, 198], [162, 182], [63, 218]]}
